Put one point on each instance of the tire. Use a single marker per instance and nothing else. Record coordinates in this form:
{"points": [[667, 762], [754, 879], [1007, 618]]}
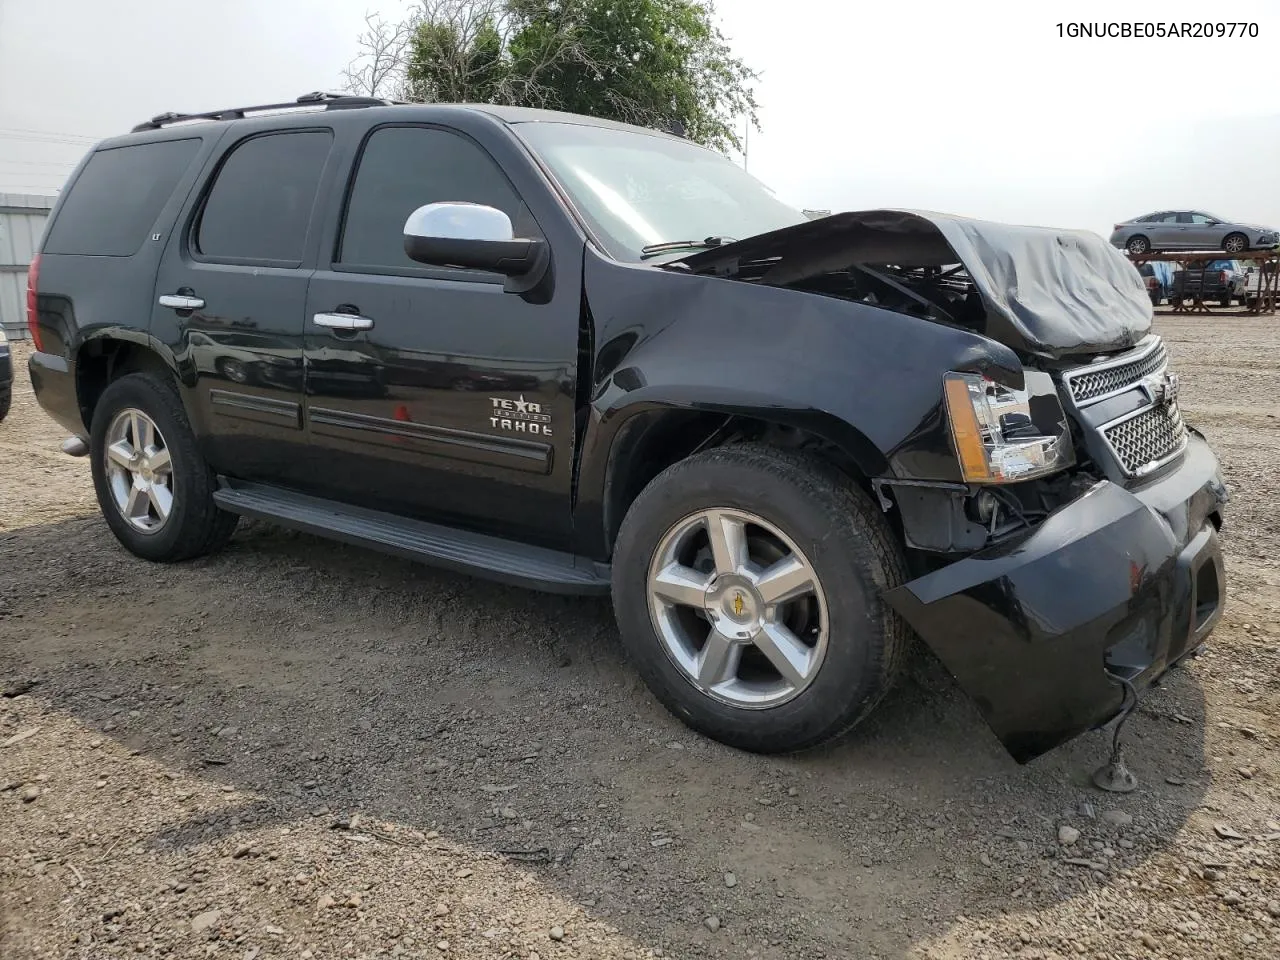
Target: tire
{"points": [[194, 525], [1138, 244], [851, 554], [6, 400], [1235, 243]]}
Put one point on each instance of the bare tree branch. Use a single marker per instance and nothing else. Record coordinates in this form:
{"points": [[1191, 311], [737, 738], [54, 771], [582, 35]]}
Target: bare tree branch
{"points": [[378, 69]]}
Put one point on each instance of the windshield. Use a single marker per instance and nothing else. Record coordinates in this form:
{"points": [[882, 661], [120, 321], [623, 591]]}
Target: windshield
{"points": [[637, 190]]}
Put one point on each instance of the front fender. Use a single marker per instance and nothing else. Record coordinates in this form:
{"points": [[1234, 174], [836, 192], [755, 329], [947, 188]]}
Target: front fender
{"points": [[867, 379]]}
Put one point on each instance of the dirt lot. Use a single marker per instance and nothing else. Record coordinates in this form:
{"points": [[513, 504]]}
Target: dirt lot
{"points": [[300, 749]]}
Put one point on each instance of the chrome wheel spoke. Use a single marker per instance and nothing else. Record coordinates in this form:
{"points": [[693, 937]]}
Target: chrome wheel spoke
{"points": [[785, 580], [681, 585], [121, 454], [161, 498], [718, 660], [159, 461], [138, 504], [142, 433], [728, 538], [790, 657]]}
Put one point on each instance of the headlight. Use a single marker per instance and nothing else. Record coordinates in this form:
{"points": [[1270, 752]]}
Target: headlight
{"points": [[3, 338], [995, 437]]}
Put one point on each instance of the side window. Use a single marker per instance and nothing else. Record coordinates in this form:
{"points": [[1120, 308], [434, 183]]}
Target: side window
{"points": [[260, 204], [114, 202], [1184, 218], [403, 168], [1199, 218]]}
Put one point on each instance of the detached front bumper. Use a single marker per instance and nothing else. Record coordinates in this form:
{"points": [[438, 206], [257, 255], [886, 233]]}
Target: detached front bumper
{"points": [[1114, 584]]}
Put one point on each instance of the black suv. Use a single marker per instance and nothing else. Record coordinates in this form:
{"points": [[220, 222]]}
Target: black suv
{"points": [[587, 357]]}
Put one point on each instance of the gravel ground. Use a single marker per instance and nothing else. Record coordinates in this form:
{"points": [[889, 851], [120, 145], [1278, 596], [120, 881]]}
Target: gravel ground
{"points": [[299, 749]]}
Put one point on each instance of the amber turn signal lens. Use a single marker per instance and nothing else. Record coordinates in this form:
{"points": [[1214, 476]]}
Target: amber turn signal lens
{"points": [[965, 431]]}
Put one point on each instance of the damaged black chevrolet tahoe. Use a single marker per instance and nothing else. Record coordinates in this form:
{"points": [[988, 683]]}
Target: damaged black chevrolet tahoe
{"points": [[586, 357]]}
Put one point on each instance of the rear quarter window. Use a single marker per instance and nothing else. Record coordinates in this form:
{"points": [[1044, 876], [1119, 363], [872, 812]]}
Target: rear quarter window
{"points": [[115, 201]]}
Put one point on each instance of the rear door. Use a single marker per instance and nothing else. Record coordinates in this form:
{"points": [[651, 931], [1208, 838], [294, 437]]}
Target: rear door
{"points": [[230, 296], [1164, 231], [448, 398]]}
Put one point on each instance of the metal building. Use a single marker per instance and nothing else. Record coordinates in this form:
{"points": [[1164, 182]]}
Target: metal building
{"points": [[22, 218]]}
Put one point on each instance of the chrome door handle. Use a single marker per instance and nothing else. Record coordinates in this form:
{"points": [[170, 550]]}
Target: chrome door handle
{"points": [[343, 321], [179, 302]]}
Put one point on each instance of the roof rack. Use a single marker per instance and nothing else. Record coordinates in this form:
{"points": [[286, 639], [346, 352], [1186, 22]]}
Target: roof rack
{"points": [[329, 101]]}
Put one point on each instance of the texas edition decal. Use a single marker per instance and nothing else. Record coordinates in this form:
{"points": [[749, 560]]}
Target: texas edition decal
{"points": [[520, 416]]}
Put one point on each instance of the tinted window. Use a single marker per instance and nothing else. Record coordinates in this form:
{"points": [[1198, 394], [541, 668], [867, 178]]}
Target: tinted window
{"points": [[261, 201], [403, 168], [114, 203]]}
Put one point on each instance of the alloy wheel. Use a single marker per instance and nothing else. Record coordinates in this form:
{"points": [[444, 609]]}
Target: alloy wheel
{"points": [[738, 608], [139, 470]]}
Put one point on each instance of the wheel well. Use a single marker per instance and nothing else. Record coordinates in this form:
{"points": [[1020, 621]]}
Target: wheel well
{"points": [[102, 361], [657, 443]]}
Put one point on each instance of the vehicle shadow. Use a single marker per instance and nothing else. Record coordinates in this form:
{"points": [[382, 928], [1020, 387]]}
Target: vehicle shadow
{"points": [[326, 680]]}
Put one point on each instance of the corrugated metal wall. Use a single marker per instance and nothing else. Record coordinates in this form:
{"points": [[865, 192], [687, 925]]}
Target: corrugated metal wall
{"points": [[22, 220]]}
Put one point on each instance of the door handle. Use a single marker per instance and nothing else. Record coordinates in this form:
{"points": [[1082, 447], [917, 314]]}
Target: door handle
{"points": [[180, 302], [343, 321]]}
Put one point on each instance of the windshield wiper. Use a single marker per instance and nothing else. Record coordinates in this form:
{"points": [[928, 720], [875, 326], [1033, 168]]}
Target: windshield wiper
{"points": [[707, 244]]}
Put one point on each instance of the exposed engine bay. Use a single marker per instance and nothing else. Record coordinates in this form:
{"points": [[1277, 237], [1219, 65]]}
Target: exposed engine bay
{"points": [[1043, 292]]}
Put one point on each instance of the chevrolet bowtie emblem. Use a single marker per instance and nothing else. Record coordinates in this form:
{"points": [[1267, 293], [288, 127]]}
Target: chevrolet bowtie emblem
{"points": [[737, 604]]}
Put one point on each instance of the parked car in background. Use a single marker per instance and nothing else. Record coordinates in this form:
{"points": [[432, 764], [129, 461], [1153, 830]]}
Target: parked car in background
{"points": [[1258, 280], [1158, 276], [1191, 230], [1221, 280]]}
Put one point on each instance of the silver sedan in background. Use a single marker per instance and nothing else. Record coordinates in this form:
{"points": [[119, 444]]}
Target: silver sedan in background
{"points": [[1191, 230]]}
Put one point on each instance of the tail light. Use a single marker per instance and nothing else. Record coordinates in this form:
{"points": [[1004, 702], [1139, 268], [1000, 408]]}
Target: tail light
{"points": [[33, 282]]}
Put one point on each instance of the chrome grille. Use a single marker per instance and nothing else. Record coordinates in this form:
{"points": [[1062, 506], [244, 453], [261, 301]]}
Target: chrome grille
{"points": [[1088, 385], [1146, 440]]}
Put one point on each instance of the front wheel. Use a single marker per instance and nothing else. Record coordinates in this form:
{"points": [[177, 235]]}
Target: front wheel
{"points": [[1235, 243], [747, 585], [154, 488]]}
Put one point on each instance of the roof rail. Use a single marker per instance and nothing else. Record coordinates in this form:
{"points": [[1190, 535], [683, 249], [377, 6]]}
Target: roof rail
{"points": [[330, 101]]}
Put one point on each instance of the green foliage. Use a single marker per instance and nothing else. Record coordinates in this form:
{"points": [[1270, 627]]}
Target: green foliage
{"points": [[657, 63]]}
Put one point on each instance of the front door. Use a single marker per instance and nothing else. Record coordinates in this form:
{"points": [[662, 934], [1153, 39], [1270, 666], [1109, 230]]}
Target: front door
{"points": [[433, 393], [230, 299]]}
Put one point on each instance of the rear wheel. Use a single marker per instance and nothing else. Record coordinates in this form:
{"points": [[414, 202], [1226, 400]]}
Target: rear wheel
{"points": [[747, 586], [154, 488], [6, 399], [1138, 244]]}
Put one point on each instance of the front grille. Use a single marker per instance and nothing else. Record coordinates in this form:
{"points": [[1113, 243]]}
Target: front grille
{"points": [[1147, 439], [1087, 385], [1139, 441]]}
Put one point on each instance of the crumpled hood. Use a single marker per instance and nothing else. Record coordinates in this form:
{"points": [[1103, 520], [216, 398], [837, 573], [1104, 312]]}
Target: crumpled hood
{"points": [[1047, 292]]}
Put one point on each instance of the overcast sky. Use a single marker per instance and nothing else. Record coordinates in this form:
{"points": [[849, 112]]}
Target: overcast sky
{"points": [[976, 108]]}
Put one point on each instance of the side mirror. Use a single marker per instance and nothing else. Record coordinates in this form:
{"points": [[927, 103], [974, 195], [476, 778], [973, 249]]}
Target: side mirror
{"points": [[474, 236]]}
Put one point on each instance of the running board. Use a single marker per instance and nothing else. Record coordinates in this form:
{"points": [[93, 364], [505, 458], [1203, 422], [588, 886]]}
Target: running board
{"points": [[491, 558]]}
